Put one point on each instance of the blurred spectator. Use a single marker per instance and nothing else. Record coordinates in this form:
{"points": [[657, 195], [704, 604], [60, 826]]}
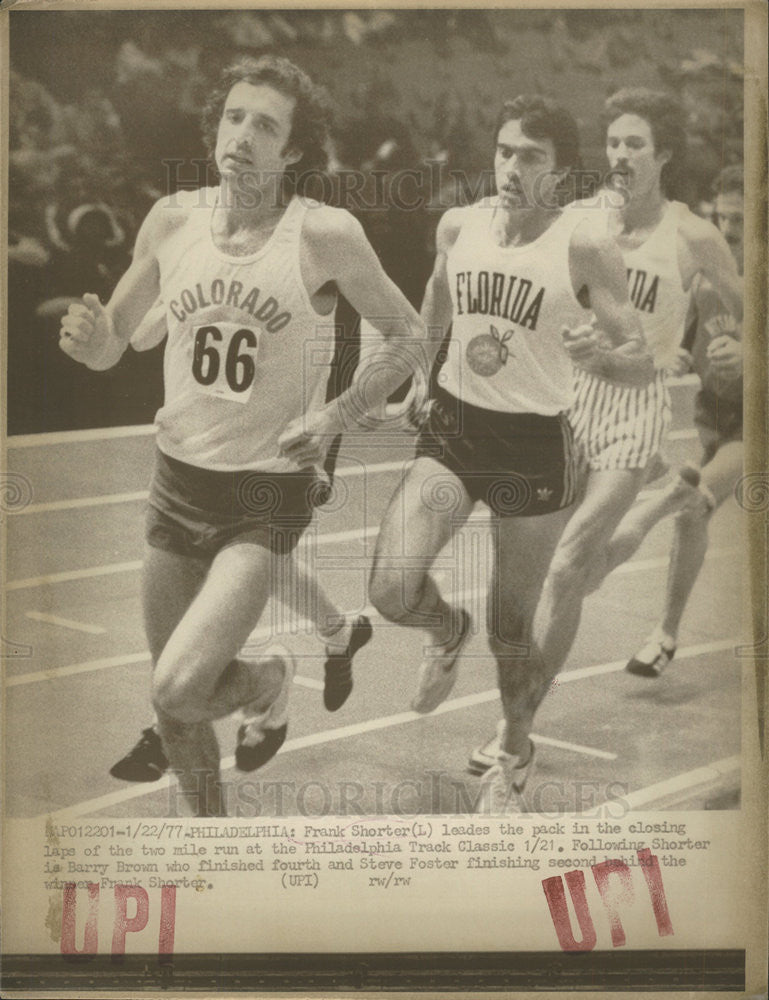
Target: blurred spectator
{"points": [[91, 149], [712, 91], [82, 242], [27, 261], [88, 250]]}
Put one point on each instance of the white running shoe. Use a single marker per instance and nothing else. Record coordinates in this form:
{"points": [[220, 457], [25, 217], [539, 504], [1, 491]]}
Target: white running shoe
{"points": [[482, 758], [263, 733], [502, 786], [439, 668], [653, 657]]}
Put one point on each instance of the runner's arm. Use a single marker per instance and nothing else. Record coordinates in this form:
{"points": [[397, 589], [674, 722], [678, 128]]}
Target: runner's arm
{"points": [[617, 349], [717, 334], [350, 262], [337, 251], [97, 335], [437, 310], [714, 260]]}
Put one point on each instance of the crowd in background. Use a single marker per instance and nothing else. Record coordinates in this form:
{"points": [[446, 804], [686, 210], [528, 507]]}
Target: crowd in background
{"points": [[416, 95]]}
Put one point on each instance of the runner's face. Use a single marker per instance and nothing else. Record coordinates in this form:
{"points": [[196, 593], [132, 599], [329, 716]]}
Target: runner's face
{"points": [[635, 165], [729, 210], [252, 139], [524, 169]]}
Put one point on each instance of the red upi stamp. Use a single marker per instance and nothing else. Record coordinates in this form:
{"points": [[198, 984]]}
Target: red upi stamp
{"points": [[122, 925], [614, 880]]}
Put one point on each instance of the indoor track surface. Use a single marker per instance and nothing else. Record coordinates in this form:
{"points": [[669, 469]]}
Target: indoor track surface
{"points": [[77, 669]]}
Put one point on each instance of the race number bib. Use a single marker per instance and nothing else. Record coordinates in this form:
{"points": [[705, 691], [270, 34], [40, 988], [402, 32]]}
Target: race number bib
{"points": [[224, 360]]}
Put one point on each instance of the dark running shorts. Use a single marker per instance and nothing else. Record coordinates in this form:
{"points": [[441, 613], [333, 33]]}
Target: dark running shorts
{"points": [[518, 464], [197, 512], [718, 421]]}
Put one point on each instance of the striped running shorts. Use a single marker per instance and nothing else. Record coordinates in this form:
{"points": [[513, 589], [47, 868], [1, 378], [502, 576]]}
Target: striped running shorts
{"points": [[619, 426]]}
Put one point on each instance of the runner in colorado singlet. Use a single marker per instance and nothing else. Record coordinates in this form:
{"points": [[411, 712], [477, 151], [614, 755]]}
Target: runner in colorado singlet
{"points": [[247, 274], [217, 306], [664, 246], [510, 275], [237, 325]]}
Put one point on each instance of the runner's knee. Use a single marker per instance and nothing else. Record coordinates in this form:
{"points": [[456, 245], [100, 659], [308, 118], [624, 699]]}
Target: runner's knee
{"points": [[178, 692], [176, 700], [394, 592], [568, 573]]}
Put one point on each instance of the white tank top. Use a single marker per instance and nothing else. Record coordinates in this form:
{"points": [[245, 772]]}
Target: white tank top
{"points": [[246, 351], [510, 303], [654, 281]]}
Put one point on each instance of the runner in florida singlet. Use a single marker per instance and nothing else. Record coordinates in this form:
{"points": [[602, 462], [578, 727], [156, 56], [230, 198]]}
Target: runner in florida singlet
{"points": [[509, 306], [236, 327], [622, 427], [656, 289], [655, 286]]}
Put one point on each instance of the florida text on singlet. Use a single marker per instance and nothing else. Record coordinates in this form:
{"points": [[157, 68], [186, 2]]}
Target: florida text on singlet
{"points": [[510, 304], [247, 353], [654, 282]]}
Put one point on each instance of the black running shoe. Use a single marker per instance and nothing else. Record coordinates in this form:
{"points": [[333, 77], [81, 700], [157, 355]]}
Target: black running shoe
{"points": [[145, 762], [338, 667], [652, 659], [249, 758]]}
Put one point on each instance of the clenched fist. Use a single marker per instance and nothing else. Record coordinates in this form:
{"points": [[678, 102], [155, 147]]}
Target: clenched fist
{"points": [[583, 342], [306, 440], [725, 356], [87, 334]]}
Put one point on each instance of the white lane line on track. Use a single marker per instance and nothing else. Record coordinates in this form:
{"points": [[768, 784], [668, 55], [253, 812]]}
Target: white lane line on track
{"points": [[304, 627], [308, 682], [574, 747], [56, 673], [329, 538], [343, 472], [303, 743], [658, 562], [40, 616], [357, 729], [686, 652], [76, 437], [111, 661], [80, 502], [681, 784], [74, 574], [138, 430], [106, 499], [482, 697], [352, 470]]}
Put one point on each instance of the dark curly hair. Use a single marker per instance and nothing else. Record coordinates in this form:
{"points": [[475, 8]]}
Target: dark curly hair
{"points": [[542, 118], [310, 121], [667, 122]]}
